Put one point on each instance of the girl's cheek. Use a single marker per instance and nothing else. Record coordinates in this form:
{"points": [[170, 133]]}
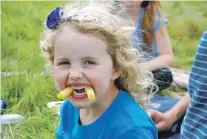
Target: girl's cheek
{"points": [[60, 79], [60, 83], [92, 78], [97, 80]]}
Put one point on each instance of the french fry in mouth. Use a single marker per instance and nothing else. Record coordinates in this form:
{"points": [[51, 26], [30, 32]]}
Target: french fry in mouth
{"points": [[65, 93], [90, 93]]}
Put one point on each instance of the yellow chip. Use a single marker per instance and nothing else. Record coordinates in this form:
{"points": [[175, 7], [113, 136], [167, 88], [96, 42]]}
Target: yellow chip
{"points": [[90, 93], [65, 93]]}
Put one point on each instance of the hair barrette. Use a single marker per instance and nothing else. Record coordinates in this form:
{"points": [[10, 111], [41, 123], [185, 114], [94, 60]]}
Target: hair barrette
{"points": [[54, 18]]}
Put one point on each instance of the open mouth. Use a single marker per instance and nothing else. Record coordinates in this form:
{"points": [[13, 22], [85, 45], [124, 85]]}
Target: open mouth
{"points": [[82, 92], [79, 93]]}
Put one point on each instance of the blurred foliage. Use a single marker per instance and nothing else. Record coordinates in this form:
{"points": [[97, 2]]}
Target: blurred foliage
{"points": [[187, 22]]}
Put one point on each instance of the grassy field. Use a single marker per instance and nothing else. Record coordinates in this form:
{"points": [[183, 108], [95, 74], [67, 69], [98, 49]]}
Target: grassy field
{"points": [[21, 24]]}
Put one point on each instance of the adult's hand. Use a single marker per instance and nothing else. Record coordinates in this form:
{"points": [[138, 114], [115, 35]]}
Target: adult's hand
{"points": [[163, 121]]}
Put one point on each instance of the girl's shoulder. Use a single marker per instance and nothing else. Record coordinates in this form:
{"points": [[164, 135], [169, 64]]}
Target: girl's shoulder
{"points": [[65, 107], [159, 20], [130, 116]]}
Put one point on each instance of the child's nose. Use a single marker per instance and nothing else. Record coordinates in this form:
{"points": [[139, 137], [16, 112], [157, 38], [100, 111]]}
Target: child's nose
{"points": [[75, 75]]}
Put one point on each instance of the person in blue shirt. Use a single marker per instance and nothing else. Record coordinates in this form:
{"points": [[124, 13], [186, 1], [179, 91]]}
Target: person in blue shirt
{"points": [[193, 106], [152, 37], [86, 47]]}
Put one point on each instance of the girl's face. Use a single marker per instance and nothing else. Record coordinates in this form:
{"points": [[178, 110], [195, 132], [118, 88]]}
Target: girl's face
{"points": [[131, 5], [81, 60]]}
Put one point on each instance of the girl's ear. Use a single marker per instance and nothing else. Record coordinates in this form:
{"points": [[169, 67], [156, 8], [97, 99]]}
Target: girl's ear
{"points": [[116, 74]]}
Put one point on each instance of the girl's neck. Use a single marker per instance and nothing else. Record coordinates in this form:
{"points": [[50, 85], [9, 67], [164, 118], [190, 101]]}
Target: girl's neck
{"points": [[91, 114]]}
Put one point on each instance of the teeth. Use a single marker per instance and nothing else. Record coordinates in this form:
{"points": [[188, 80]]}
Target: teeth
{"points": [[79, 93], [78, 87]]}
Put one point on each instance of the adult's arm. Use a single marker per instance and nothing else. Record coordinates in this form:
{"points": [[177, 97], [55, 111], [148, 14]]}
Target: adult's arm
{"points": [[164, 121], [165, 53]]}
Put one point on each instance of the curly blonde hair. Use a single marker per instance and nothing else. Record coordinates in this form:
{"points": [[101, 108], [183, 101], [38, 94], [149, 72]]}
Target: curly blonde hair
{"points": [[111, 28]]}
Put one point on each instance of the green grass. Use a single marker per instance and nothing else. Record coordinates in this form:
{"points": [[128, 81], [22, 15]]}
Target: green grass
{"points": [[187, 22], [21, 26]]}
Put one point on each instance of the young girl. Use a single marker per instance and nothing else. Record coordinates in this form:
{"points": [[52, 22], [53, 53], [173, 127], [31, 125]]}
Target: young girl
{"points": [[87, 48], [151, 30]]}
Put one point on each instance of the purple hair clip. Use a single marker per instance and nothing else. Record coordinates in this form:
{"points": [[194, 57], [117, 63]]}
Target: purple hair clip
{"points": [[54, 18]]}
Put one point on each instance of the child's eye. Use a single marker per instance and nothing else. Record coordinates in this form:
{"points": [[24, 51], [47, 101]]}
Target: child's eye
{"points": [[89, 62], [64, 63]]}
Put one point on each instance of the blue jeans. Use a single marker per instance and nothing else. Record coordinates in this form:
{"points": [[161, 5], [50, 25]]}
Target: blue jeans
{"points": [[166, 104]]}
